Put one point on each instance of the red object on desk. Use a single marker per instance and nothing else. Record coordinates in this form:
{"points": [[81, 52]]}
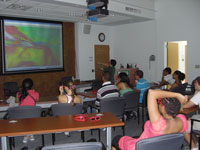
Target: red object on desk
{"points": [[84, 117], [81, 117], [93, 92]]}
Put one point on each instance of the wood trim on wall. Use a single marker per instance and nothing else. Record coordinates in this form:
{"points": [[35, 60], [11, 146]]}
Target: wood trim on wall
{"points": [[47, 83]]}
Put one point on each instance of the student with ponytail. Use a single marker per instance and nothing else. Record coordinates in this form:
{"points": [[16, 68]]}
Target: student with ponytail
{"points": [[27, 97]]}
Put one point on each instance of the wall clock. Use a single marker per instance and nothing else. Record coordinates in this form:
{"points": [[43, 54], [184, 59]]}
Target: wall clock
{"points": [[101, 37]]}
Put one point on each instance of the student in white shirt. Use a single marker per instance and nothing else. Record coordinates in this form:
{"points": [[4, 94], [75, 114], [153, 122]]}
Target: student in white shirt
{"points": [[195, 100], [167, 78]]}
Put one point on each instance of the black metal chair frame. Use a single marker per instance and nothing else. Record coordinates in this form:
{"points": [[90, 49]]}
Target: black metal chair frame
{"points": [[53, 134], [194, 131], [144, 105], [122, 99], [131, 108], [11, 139]]}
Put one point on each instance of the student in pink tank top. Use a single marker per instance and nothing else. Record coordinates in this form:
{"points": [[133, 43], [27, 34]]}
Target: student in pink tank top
{"points": [[27, 97], [163, 108], [67, 93]]}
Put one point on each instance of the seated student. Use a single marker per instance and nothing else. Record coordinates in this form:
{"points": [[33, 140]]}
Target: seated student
{"points": [[141, 84], [107, 90], [167, 77], [123, 83], [195, 100], [163, 107], [27, 97], [178, 76], [67, 94], [110, 68]]}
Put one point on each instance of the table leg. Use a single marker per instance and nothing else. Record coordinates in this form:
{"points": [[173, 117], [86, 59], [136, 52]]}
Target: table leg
{"points": [[3, 143], [109, 136]]}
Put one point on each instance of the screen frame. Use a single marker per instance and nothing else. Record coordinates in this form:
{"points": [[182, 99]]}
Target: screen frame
{"points": [[2, 48]]}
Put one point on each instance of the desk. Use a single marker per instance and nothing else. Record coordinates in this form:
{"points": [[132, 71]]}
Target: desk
{"points": [[81, 86], [87, 96], [46, 104], [189, 110], [56, 124]]}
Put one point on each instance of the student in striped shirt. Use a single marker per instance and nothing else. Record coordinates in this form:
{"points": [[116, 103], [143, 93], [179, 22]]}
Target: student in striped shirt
{"points": [[142, 84], [107, 90]]}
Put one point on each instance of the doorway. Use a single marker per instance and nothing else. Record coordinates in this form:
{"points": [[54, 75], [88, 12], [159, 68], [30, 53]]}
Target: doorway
{"points": [[102, 55], [176, 56]]}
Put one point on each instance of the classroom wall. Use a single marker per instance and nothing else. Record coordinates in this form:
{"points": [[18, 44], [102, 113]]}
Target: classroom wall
{"points": [[134, 43], [47, 83], [178, 20], [85, 48]]}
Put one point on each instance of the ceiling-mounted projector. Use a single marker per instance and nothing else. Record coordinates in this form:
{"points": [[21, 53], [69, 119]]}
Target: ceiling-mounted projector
{"points": [[97, 3], [99, 13], [97, 9]]}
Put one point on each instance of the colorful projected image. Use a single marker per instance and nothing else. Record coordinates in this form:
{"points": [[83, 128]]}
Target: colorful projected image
{"points": [[30, 45]]}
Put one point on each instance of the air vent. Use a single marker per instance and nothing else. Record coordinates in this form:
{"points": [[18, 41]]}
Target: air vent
{"points": [[5, 0], [134, 10], [18, 7]]}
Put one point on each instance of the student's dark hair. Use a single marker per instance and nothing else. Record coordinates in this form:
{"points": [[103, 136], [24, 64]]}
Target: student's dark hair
{"points": [[113, 62], [139, 73], [167, 69], [124, 78], [107, 75], [196, 79], [177, 72], [172, 106], [66, 83], [27, 84], [181, 76]]}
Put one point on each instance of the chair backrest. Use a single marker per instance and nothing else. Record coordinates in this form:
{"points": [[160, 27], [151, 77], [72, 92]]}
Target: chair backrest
{"points": [[20, 112], [10, 88], [75, 146], [163, 142], [113, 104], [132, 100], [66, 109], [184, 89], [144, 99]]}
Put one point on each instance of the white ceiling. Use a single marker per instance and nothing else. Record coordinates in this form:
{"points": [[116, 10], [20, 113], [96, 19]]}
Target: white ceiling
{"points": [[60, 11]]}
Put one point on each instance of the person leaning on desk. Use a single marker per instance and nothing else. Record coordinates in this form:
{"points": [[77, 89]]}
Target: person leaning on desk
{"points": [[195, 100]]}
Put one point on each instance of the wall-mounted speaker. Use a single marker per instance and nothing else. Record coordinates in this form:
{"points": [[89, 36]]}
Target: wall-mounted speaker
{"points": [[86, 29]]}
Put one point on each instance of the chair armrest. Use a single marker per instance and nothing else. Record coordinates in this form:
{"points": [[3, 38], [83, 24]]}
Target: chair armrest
{"points": [[192, 120], [88, 90]]}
